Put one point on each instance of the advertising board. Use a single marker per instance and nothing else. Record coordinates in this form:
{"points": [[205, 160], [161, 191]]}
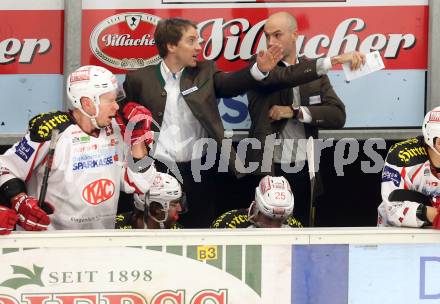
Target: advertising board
{"points": [[119, 35], [31, 61]]}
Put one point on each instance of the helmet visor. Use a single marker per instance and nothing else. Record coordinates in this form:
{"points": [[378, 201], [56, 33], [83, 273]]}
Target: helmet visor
{"points": [[120, 93], [183, 204]]}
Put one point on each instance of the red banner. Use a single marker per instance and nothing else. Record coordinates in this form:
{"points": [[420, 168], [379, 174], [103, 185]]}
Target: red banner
{"points": [[124, 40], [31, 42]]}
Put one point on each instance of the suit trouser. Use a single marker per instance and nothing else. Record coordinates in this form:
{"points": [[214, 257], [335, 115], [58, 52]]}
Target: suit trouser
{"points": [[300, 184], [200, 202]]}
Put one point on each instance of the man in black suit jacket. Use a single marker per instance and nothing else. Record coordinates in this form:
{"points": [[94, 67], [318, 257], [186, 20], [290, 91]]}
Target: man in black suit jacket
{"points": [[293, 114]]}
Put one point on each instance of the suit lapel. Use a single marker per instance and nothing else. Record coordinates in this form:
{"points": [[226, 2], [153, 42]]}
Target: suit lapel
{"points": [[304, 90], [159, 75], [191, 92], [304, 93], [286, 95]]}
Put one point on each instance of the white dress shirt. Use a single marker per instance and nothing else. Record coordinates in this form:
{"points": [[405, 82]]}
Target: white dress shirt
{"points": [[180, 131]]}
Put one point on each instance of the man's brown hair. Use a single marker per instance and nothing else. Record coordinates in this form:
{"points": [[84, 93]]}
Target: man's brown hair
{"points": [[170, 31]]}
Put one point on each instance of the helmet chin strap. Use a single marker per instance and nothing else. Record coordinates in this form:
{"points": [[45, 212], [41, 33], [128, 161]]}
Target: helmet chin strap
{"points": [[160, 222], [251, 214], [92, 118], [434, 149], [95, 123]]}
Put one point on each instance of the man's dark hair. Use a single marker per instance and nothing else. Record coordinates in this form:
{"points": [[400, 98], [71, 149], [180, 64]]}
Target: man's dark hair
{"points": [[170, 31]]}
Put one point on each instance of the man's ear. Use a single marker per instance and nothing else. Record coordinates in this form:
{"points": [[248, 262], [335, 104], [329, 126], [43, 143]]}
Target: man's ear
{"points": [[87, 105], [295, 34], [171, 48], [437, 143], [85, 102]]}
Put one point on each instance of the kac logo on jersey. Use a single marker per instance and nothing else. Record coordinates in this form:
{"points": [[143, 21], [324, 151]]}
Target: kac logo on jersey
{"points": [[126, 41], [391, 175], [98, 191], [24, 150]]}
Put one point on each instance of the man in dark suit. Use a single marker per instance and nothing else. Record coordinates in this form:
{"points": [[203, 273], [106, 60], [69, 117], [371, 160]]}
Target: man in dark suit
{"points": [[293, 114], [181, 93]]}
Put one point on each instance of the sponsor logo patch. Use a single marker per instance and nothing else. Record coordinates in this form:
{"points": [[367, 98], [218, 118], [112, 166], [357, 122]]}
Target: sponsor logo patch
{"points": [[89, 162], [434, 116], [81, 139], [391, 175], [41, 126], [80, 75], [407, 154], [24, 150]]}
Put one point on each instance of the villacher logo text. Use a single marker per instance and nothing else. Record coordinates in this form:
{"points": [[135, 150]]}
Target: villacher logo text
{"points": [[126, 40]]}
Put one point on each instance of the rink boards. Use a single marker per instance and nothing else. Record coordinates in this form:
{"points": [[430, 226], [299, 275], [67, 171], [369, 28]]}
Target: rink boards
{"points": [[338, 265]]}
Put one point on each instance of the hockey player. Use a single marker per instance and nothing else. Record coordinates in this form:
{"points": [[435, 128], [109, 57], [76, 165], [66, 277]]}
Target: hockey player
{"points": [[411, 179], [89, 163], [272, 208], [159, 208]]}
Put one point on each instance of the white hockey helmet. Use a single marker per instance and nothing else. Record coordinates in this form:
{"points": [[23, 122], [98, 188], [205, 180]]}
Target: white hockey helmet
{"points": [[165, 189], [431, 127], [274, 197], [91, 81]]}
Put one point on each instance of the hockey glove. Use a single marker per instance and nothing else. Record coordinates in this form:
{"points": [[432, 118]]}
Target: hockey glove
{"points": [[436, 221], [30, 216], [8, 219], [140, 116]]}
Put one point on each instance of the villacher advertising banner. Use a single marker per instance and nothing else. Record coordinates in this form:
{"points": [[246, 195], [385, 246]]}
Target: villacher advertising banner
{"points": [[119, 35]]}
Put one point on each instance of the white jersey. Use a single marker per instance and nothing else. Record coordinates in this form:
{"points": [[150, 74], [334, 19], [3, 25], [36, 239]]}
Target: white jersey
{"points": [[87, 172], [407, 167]]}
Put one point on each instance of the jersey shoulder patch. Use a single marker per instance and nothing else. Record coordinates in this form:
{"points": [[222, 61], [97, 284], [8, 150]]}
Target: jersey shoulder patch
{"points": [[293, 222], [232, 219], [123, 221], [409, 152], [41, 126]]}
